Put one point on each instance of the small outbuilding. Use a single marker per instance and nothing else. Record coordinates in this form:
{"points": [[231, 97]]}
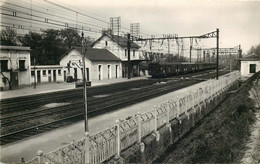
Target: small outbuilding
{"points": [[100, 64], [15, 67], [250, 64], [47, 74]]}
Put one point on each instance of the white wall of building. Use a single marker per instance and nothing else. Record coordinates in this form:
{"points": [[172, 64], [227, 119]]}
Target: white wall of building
{"points": [[47, 74], [76, 64], [245, 67], [13, 57], [108, 70], [75, 57], [120, 52]]}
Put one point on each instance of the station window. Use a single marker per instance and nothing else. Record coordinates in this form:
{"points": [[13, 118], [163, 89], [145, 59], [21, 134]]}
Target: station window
{"points": [[106, 43], [133, 53], [252, 68], [44, 72], [32, 73], [22, 65], [49, 72], [4, 65], [125, 52], [59, 72]]}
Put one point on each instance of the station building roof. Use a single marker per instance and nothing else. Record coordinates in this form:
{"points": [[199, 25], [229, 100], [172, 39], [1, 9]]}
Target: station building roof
{"points": [[46, 66], [120, 40], [95, 54], [251, 57], [20, 48]]}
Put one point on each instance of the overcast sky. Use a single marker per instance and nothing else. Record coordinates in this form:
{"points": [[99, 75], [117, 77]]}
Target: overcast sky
{"points": [[238, 21]]}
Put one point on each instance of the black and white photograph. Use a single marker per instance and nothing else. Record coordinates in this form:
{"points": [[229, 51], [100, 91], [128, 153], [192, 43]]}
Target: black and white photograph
{"points": [[129, 81]]}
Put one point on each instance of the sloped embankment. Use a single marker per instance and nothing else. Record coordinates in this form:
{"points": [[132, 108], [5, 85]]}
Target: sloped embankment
{"points": [[222, 136]]}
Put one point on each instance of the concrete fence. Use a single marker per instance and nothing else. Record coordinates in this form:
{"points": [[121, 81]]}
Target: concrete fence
{"points": [[110, 142]]}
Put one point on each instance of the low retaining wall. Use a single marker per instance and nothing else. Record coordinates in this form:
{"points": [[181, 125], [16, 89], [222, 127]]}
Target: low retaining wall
{"points": [[152, 146]]}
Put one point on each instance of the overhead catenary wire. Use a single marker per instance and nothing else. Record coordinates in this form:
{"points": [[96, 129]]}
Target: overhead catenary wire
{"points": [[36, 16], [70, 23], [10, 9]]}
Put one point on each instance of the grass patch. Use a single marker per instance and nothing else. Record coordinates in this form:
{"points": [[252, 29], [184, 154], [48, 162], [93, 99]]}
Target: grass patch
{"points": [[222, 136]]}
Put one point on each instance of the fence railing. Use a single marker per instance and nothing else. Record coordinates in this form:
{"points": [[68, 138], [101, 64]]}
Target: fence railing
{"points": [[110, 142]]}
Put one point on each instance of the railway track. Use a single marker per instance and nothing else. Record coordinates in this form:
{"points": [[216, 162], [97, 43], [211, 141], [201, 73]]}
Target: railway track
{"points": [[93, 103], [96, 105], [19, 104], [132, 97]]}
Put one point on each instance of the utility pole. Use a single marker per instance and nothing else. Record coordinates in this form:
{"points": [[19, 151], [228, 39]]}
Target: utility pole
{"points": [[190, 52], [239, 56], [84, 84], [128, 50], [34, 85], [204, 53], [230, 63], [191, 42], [217, 51], [168, 46]]}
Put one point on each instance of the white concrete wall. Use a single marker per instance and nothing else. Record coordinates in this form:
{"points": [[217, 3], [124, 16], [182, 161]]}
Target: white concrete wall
{"points": [[104, 70], [117, 50], [13, 57], [75, 57], [245, 66], [45, 78]]}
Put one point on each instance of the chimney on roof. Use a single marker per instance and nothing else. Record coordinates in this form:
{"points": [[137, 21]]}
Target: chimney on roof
{"points": [[107, 31]]}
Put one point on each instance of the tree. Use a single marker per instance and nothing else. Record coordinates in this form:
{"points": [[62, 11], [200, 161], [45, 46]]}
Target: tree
{"points": [[171, 58], [257, 50], [8, 37], [34, 41], [53, 47], [254, 50], [70, 37]]}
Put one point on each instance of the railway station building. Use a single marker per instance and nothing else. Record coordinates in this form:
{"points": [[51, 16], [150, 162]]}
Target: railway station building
{"points": [[100, 64], [47, 74], [15, 67], [249, 65], [117, 45]]}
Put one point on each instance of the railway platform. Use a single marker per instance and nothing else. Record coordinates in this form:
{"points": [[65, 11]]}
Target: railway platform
{"points": [[54, 139], [52, 87]]}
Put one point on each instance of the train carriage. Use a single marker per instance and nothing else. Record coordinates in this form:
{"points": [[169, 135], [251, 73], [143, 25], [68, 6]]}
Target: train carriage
{"points": [[171, 69]]}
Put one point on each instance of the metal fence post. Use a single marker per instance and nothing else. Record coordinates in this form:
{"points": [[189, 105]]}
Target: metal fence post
{"points": [[155, 119], [178, 107], [193, 100], [186, 105], [167, 105], [168, 117], [87, 147], [40, 156], [139, 127], [118, 141], [60, 156], [155, 125]]}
